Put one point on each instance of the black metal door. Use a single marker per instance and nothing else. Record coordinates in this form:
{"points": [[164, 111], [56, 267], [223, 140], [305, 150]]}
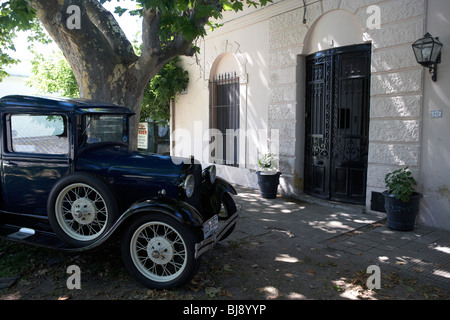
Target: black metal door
{"points": [[319, 82], [337, 122]]}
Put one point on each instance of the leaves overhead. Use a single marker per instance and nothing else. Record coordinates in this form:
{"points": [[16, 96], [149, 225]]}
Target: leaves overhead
{"points": [[15, 16], [52, 75], [101, 57], [163, 87], [175, 19], [186, 17]]}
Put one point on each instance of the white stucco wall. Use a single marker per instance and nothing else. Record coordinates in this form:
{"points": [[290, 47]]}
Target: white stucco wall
{"points": [[225, 50], [435, 152]]}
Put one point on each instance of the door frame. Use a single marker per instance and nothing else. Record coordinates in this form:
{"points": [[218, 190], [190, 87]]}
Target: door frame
{"points": [[322, 83]]}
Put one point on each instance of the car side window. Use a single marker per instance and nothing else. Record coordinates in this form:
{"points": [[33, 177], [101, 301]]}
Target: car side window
{"points": [[39, 134]]}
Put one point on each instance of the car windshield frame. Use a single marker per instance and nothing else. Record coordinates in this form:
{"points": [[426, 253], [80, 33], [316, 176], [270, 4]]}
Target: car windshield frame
{"points": [[91, 129]]}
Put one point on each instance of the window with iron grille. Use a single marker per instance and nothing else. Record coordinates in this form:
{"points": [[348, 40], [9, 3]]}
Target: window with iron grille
{"points": [[224, 117]]}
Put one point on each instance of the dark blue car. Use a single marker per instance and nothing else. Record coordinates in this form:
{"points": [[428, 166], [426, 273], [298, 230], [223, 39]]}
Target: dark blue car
{"points": [[69, 181]]}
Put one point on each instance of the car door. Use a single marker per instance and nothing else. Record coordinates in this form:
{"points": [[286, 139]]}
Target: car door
{"points": [[35, 156]]}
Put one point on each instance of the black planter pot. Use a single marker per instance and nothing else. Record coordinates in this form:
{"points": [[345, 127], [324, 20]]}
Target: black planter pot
{"points": [[401, 216], [268, 184]]}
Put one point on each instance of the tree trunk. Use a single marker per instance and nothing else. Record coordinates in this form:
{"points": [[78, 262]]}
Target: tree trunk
{"points": [[101, 57]]}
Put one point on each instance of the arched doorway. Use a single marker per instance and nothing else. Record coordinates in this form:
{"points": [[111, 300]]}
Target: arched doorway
{"points": [[337, 95], [337, 123]]}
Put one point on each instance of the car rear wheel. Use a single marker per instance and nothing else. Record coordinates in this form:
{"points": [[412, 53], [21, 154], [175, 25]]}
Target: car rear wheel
{"points": [[159, 251], [81, 209]]}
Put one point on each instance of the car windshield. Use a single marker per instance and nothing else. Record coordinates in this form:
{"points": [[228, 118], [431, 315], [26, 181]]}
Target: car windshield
{"points": [[103, 128]]}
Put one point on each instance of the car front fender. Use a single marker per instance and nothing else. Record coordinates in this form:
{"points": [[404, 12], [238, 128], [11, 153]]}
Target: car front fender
{"points": [[179, 210], [222, 185], [212, 196]]}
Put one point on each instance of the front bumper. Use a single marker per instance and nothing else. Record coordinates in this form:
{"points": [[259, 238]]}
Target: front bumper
{"points": [[212, 240]]}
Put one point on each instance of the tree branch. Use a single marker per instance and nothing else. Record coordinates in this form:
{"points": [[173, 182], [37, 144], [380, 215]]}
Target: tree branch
{"points": [[98, 29], [151, 43], [108, 26]]}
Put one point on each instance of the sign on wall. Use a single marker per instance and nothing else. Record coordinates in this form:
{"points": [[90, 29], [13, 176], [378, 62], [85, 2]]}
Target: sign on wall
{"points": [[142, 142]]}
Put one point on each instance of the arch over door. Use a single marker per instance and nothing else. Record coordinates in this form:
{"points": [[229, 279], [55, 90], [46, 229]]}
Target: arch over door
{"points": [[337, 123]]}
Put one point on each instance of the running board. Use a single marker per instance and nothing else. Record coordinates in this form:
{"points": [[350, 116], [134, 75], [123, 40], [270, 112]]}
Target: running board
{"points": [[33, 237]]}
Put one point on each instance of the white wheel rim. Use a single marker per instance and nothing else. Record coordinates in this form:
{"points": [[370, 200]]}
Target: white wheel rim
{"points": [[81, 212], [158, 251]]}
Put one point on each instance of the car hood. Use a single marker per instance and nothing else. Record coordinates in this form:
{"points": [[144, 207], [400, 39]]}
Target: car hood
{"points": [[119, 163]]}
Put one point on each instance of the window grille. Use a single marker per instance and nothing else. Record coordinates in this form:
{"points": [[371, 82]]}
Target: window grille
{"points": [[224, 116]]}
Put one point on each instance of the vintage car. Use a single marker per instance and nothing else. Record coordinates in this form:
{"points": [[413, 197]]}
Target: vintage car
{"points": [[70, 182]]}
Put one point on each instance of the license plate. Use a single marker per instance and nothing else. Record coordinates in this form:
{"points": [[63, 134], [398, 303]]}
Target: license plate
{"points": [[210, 226]]}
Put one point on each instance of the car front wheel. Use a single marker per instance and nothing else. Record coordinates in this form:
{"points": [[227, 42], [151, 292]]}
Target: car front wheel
{"points": [[159, 251]]}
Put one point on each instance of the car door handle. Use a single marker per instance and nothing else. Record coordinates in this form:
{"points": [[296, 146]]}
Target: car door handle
{"points": [[10, 164]]}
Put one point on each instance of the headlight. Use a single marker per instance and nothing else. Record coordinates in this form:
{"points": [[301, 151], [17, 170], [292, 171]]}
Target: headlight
{"points": [[189, 185], [210, 173]]}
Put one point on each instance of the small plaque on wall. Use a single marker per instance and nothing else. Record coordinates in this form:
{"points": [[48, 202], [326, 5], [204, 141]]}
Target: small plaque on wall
{"points": [[436, 113]]}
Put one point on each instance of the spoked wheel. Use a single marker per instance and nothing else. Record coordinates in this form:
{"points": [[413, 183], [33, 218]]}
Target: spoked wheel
{"points": [[81, 209], [159, 251]]}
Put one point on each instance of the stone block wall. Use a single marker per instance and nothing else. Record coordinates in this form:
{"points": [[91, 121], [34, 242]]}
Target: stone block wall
{"points": [[287, 34], [396, 92], [396, 84]]}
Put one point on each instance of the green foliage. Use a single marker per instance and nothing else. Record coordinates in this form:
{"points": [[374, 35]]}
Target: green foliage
{"points": [[16, 16], [185, 17], [162, 88], [267, 161], [400, 183], [53, 75], [178, 17]]}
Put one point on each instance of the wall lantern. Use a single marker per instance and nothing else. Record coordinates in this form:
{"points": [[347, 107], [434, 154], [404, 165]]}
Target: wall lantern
{"points": [[428, 53]]}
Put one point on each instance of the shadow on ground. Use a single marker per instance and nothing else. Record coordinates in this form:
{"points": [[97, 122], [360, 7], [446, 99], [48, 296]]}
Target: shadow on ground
{"points": [[281, 249]]}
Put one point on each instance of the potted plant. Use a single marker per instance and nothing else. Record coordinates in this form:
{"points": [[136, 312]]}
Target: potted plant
{"points": [[268, 176], [400, 200]]}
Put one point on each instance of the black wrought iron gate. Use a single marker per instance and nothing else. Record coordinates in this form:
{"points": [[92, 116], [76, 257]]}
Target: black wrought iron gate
{"points": [[337, 123]]}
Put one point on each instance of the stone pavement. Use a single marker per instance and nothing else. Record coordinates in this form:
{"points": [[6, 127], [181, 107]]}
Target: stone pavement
{"points": [[422, 253]]}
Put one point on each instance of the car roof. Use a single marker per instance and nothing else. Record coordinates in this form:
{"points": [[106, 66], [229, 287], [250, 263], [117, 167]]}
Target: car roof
{"points": [[79, 106]]}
